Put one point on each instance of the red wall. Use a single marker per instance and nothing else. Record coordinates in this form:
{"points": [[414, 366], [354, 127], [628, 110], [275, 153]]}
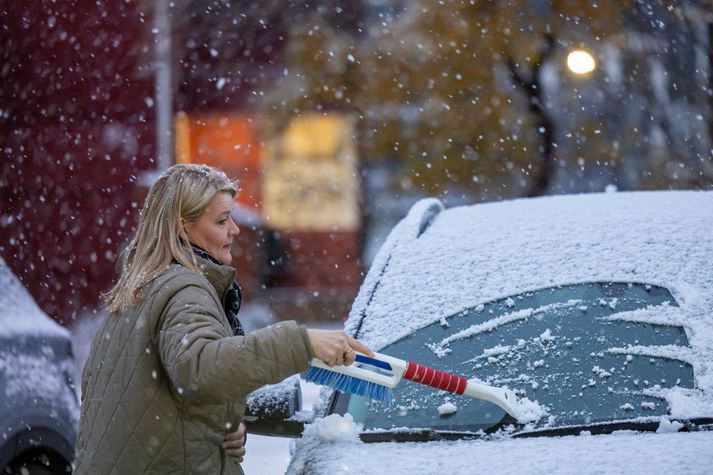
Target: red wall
{"points": [[76, 129]]}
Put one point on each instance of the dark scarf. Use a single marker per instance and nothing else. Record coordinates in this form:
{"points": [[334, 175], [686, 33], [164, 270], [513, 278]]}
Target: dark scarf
{"points": [[233, 298]]}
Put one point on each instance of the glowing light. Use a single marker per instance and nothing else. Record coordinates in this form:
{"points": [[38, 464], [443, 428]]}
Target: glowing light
{"points": [[580, 62]]}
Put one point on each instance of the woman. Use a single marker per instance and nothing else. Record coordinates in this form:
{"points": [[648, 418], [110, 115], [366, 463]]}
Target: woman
{"points": [[164, 386]]}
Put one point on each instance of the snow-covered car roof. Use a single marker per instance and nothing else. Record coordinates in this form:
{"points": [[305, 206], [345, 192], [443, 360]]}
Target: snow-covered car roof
{"points": [[438, 262]]}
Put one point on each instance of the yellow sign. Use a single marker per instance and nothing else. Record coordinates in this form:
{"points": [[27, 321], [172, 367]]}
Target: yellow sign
{"points": [[311, 180]]}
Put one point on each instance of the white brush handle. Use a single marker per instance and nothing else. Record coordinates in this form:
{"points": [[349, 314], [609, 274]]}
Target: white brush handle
{"points": [[502, 397]]}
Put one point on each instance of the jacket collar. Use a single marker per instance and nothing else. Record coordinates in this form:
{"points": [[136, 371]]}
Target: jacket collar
{"points": [[221, 276]]}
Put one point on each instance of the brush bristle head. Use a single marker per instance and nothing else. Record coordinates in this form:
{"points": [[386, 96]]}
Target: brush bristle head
{"points": [[349, 384]]}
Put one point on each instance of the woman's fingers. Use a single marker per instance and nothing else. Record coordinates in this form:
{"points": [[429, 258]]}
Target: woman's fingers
{"points": [[235, 437], [234, 444], [235, 453], [354, 346], [349, 357], [328, 345], [238, 436], [336, 347], [360, 347]]}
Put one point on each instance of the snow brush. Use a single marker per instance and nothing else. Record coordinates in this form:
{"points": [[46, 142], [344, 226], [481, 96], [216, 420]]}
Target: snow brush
{"points": [[375, 377]]}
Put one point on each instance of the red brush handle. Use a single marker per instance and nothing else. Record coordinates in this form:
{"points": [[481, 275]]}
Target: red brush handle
{"points": [[434, 378]]}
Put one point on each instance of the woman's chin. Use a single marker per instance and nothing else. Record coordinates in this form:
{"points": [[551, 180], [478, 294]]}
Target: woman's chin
{"points": [[226, 258]]}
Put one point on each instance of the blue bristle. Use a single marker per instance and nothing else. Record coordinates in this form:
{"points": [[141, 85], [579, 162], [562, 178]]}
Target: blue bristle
{"points": [[349, 384]]}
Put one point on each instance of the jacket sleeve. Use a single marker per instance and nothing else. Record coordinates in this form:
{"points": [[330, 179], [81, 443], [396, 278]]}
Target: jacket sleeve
{"points": [[207, 365]]}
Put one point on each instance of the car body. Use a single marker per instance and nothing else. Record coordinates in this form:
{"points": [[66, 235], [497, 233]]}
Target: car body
{"points": [[596, 309], [39, 408]]}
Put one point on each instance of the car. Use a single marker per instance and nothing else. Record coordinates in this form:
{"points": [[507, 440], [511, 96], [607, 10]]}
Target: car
{"points": [[39, 407], [595, 309]]}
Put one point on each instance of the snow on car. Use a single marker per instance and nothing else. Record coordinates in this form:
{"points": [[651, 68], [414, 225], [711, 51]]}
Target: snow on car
{"points": [[39, 409], [597, 308]]}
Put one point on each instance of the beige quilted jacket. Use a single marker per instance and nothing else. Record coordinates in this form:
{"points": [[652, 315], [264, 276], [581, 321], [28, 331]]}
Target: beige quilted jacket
{"points": [[166, 380]]}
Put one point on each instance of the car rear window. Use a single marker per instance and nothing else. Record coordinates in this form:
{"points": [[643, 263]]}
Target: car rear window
{"points": [[585, 353]]}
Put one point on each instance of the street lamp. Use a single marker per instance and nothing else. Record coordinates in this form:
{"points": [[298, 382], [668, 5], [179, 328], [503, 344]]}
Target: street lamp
{"points": [[580, 62]]}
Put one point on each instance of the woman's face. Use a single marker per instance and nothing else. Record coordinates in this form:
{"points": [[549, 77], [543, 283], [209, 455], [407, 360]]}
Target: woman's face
{"points": [[215, 229]]}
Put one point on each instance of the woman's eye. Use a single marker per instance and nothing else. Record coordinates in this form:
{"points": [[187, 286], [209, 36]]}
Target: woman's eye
{"points": [[222, 221]]}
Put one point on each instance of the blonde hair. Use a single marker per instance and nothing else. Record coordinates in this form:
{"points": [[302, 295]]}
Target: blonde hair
{"points": [[180, 195]]}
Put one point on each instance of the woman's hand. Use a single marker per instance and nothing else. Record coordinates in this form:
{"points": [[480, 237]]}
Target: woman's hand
{"points": [[234, 444], [335, 347]]}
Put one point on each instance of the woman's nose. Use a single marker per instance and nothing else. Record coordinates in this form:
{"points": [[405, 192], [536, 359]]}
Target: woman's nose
{"points": [[234, 228]]}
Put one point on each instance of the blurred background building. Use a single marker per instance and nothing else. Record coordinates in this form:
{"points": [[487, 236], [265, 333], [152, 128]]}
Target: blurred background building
{"points": [[335, 116]]}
